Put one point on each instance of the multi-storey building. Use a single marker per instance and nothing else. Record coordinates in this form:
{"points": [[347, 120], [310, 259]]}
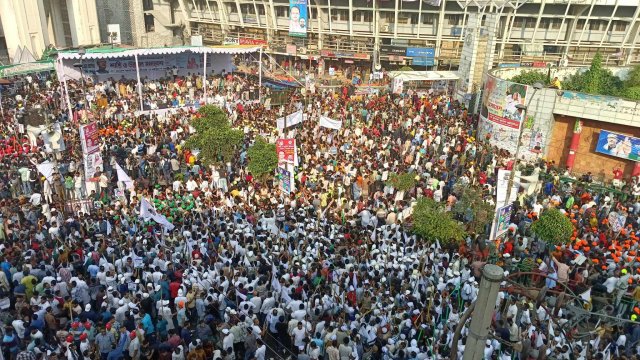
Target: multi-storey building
{"points": [[568, 31]]}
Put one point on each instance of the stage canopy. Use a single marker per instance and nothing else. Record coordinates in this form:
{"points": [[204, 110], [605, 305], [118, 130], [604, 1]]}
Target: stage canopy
{"points": [[424, 75], [153, 63], [109, 53]]}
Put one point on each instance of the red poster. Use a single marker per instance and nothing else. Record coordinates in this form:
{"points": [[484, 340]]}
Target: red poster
{"points": [[286, 149]]}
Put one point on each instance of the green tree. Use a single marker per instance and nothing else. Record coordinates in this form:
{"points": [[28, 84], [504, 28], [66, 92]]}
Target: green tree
{"points": [[472, 208], [631, 93], [432, 222], [263, 159], [214, 137], [553, 227], [402, 182], [633, 77], [596, 80], [530, 77]]}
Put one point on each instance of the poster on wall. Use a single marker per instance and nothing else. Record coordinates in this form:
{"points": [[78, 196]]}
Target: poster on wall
{"points": [[618, 145], [298, 18], [500, 118]]}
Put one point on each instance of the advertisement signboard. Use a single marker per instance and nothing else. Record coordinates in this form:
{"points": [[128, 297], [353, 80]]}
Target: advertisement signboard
{"points": [[618, 145], [285, 180], [393, 50], [298, 18], [503, 218]]}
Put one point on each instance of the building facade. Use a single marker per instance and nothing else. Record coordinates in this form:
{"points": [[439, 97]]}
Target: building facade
{"points": [[36, 24], [567, 31], [569, 128]]}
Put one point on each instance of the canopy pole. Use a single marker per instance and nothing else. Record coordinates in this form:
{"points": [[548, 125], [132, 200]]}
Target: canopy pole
{"points": [[204, 78], [260, 77], [139, 83]]}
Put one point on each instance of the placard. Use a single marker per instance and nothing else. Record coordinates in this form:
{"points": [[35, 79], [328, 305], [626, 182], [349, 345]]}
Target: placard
{"points": [[298, 18]]}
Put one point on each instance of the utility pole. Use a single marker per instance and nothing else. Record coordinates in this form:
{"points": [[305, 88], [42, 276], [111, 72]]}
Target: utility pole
{"points": [[485, 305]]}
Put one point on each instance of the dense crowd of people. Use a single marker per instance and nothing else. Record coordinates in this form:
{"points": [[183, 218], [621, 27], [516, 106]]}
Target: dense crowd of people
{"points": [[330, 271]]}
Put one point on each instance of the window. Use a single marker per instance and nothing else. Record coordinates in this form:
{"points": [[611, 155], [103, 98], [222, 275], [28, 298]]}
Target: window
{"points": [[620, 25], [545, 24], [580, 24], [595, 25], [232, 9], [530, 23], [453, 20], [518, 22], [343, 15], [149, 23], [147, 5], [282, 11], [427, 19], [261, 10], [312, 13], [389, 17], [362, 16], [414, 18], [247, 9], [556, 23]]}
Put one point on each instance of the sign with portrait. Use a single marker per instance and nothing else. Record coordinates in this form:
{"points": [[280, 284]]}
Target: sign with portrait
{"points": [[618, 145], [298, 18]]}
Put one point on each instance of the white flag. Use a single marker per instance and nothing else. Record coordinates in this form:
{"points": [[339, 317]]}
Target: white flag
{"points": [[123, 177], [355, 280], [586, 296], [147, 211], [46, 169]]}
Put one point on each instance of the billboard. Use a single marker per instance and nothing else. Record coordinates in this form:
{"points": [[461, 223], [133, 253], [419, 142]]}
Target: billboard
{"points": [[618, 145], [500, 118], [298, 18], [90, 138]]}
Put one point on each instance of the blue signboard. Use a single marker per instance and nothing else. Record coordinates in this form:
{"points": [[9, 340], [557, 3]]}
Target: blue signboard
{"points": [[619, 145], [422, 56]]}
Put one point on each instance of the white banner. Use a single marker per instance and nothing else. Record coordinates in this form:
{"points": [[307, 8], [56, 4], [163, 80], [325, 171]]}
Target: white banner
{"points": [[291, 120], [503, 184], [330, 123], [397, 85]]}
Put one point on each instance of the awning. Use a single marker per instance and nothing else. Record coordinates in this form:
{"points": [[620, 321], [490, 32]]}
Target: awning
{"points": [[424, 75], [120, 53], [27, 68]]}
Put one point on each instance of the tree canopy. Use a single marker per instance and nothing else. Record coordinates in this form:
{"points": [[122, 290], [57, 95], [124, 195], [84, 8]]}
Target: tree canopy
{"points": [[553, 227], [530, 77], [432, 222], [472, 209], [214, 137], [402, 182], [263, 159]]}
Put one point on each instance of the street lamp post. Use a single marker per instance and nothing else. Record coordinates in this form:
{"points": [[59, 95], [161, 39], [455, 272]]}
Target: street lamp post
{"points": [[80, 65], [536, 86]]}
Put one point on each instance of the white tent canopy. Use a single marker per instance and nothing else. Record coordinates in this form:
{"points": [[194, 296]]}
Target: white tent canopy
{"points": [[159, 51], [424, 75]]}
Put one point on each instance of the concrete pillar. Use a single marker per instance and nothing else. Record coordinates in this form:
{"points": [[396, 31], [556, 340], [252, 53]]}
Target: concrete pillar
{"points": [[22, 26], [575, 142], [466, 70], [492, 275]]}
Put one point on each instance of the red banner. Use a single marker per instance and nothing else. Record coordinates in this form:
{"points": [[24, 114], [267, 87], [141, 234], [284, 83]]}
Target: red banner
{"points": [[286, 149], [248, 41]]}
